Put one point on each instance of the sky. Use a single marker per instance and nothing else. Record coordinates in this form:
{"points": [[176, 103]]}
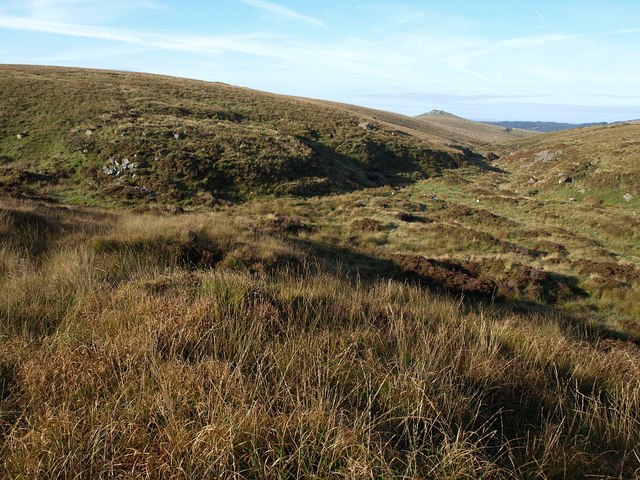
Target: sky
{"points": [[548, 60]]}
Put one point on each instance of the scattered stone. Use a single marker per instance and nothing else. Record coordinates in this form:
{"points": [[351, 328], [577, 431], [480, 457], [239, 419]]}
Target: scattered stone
{"points": [[369, 126], [21, 135], [180, 135], [565, 180], [88, 132], [545, 156], [572, 199], [116, 168], [628, 197], [532, 180]]}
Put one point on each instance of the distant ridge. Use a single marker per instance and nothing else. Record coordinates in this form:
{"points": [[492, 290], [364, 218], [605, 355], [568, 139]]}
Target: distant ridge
{"points": [[544, 127]]}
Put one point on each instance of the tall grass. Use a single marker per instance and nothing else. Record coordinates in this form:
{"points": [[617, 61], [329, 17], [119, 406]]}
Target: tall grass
{"points": [[118, 359]]}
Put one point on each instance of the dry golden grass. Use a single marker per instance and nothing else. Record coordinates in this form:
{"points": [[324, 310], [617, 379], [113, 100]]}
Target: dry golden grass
{"points": [[123, 357]]}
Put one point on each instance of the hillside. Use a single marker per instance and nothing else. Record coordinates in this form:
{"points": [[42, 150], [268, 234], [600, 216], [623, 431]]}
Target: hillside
{"points": [[101, 136], [445, 129], [545, 127], [597, 164], [467, 131], [197, 311]]}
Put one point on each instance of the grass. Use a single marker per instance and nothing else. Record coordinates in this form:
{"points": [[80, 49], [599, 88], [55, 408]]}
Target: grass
{"points": [[303, 296], [121, 359], [192, 142]]}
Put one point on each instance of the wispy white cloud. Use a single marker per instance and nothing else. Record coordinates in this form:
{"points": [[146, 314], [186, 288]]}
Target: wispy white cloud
{"points": [[625, 31], [70, 11], [540, 16], [284, 12], [248, 43]]}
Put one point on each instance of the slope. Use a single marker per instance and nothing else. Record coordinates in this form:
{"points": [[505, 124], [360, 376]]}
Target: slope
{"points": [[447, 129], [87, 136], [470, 132], [598, 164]]}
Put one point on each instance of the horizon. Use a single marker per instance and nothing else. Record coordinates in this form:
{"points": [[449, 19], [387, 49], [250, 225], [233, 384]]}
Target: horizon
{"points": [[535, 61]]}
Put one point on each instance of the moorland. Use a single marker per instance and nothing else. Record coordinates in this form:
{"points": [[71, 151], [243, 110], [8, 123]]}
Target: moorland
{"points": [[200, 280]]}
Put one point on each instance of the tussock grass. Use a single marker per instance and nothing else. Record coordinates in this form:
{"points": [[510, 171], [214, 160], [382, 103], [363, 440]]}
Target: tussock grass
{"points": [[120, 359]]}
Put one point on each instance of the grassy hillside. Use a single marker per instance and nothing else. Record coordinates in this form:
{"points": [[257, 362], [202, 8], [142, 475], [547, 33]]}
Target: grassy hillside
{"points": [[477, 134], [422, 321], [95, 135], [595, 165], [443, 129]]}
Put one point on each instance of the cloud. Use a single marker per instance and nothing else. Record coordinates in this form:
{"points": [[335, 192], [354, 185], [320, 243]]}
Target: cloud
{"points": [[248, 44], [72, 11], [284, 12]]}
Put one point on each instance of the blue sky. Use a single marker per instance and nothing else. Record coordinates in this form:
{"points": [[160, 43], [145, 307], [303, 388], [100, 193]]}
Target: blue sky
{"points": [[561, 60]]}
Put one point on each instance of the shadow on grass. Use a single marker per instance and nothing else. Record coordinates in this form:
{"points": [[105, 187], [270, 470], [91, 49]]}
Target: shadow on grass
{"points": [[341, 261]]}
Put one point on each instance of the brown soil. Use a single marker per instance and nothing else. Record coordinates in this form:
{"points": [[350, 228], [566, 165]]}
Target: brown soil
{"points": [[480, 215], [411, 218], [488, 279], [367, 225], [522, 282], [284, 224], [606, 270], [445, 275], [196, 252]]}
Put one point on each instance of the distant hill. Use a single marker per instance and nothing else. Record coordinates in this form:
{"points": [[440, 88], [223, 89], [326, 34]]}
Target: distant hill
{"points": [[86, 136], [468, 131], [437, 126], [544, 127]]}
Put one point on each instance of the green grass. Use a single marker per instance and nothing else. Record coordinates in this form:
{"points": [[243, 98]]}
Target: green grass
{"points": [[233, 143]]}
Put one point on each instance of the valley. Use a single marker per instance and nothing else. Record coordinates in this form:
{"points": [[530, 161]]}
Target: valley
{"points": [[205, 279]]}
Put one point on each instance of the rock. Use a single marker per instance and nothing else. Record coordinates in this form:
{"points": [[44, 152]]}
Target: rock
{"points": [[88, 132], [532, 180], [565, 180], [115, 167], [572, 199], [180, 135], [628, 197], [369, 126], [21, 135]]}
